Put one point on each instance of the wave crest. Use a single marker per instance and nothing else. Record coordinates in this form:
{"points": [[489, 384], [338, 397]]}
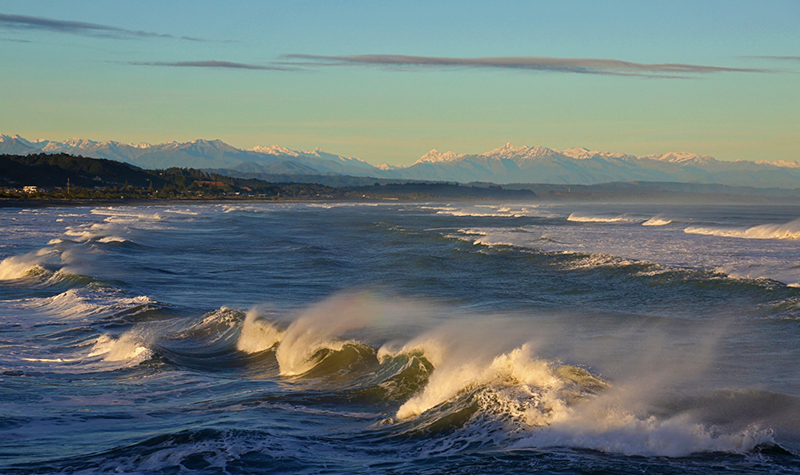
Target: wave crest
{"points": [[127, 347], [657, 221], [581, 218], [789, 231], [258, 334]]}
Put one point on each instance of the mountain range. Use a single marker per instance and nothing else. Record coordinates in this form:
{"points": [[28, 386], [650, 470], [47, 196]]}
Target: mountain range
{"points": [[504, 165]]}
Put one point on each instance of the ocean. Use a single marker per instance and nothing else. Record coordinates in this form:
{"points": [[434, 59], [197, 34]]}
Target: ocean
{"points": [[400, 337]]}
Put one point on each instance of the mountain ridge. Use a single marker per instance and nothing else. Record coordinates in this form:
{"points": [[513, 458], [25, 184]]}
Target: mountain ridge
{"points": [[503, 165]]}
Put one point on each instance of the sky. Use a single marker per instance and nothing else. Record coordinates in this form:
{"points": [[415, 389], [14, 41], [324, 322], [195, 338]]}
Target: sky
{"points": [[387, 81]]}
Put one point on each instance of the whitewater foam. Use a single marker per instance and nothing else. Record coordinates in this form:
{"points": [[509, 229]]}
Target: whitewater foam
{"points": [[657, 221], [581, 218], [509, 369], [85, 303], [128, 347], [258, 334], [619, 432], [33, 263], [316, 330], [789, 231]]}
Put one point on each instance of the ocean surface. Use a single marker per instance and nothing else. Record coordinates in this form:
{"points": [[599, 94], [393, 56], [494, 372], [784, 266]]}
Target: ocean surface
{"points": [[340, 338]]}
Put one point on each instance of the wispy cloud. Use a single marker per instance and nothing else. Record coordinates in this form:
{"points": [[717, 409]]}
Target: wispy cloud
{"points": [[534, 63], [784, 58], [22, 22], [210, 64], [14, 40]]}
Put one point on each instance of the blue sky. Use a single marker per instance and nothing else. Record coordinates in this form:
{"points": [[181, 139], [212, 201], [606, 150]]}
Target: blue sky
{"points": [[388, 81]]}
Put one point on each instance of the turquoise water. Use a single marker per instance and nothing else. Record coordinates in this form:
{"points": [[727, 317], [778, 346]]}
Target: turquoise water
{"points": [[399, 338]]}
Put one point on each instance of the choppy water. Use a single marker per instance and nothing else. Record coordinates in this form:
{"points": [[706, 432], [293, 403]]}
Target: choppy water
{"points": [[400, 338]]}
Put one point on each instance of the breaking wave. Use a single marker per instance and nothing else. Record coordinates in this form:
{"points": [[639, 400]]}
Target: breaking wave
{"points": [[789, 231], [128, 347], [582, 218], [657, 221]]}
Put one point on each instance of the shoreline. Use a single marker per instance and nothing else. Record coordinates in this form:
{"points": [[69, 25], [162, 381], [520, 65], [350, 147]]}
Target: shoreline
{"points": [[77, 203]]}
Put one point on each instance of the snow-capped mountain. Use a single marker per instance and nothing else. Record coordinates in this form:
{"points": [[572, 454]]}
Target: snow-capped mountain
{"points": [[507, 164], [510, 164], [197, 154]]}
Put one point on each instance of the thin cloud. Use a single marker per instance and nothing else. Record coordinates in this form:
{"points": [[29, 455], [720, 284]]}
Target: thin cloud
{"points": [[534, 63], [29, 23], [210, 64], [783, 58]]}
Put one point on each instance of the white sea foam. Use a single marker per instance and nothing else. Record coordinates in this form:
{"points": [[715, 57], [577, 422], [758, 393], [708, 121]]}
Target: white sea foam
{"points": [[790, 230], [258, 334], [108, 239], [84, 303], [582, 218], [316, 330], [126, 214], [127, 347], [593, 261], [18, 267], [657, 221], [245, 209], [545, 403], [612, 429], [96, 231], [183, 211], [489, 211], [516, 368]]}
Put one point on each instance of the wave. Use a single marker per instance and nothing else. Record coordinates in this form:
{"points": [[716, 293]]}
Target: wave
{"points": [[90, 304], [258, 334], [618, 431], [126, 214], [657, 221], [517, 382], [315, 335], [128, 347], [28, 265], [489, 211], [481, 378], [580, 261], [789, 231], [582, 218]]}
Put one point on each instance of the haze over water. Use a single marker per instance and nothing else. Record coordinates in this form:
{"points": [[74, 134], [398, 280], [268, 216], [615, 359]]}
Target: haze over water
{"points": [[400, 337]]}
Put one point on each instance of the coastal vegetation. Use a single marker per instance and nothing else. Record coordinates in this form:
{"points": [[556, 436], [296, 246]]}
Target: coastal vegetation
{"points": [[67, 177]]}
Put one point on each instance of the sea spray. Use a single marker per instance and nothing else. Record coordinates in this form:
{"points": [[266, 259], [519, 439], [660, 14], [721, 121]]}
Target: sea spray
{"points": [[657, 221], [788, 231], [129, 347], [32, 263], [319, 328], [582, 218], [516, 368], [686, 371], [257, 334]]}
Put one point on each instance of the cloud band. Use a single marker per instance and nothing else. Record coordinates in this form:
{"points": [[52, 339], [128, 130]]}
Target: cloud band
{"points": [[22, 22], [534, 63]]}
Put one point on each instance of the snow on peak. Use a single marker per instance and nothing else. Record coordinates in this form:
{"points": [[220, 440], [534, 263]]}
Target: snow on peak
{"points": [[681, 158], [779, 163], [275, 150], [582, 153], [513, 152], [79, 143], [435, 156]]}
